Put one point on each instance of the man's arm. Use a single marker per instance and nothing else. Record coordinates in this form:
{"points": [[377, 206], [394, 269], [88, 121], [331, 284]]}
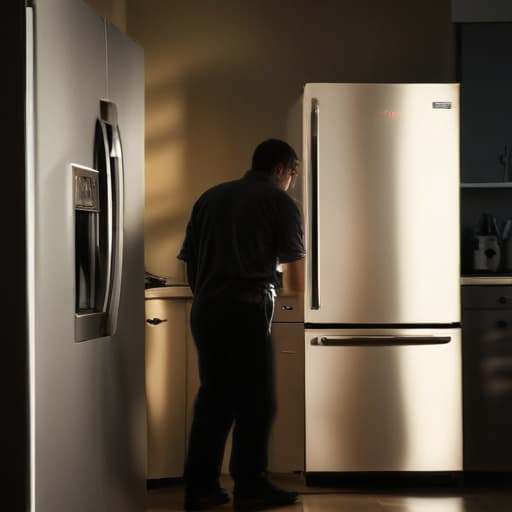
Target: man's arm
{"points": [[191, 276], [293, 276]]}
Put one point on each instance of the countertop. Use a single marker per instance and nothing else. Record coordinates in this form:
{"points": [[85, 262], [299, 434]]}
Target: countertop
{"points": [[486, 280], [175, 291], [182, 291]]}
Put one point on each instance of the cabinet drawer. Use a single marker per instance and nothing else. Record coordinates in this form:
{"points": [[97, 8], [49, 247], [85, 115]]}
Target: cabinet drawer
{"points": [[289, 308], [487, 297], [488, 324], [487, 374]]}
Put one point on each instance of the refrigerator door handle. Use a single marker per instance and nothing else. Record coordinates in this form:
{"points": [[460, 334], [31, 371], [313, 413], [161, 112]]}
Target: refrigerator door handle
{"points": [[315, 270], [109, 114], [378, 341], [110, 147], [102, 156]]}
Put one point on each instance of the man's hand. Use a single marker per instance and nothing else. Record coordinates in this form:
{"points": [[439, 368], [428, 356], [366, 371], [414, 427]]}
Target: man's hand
{"points": [[293, 276]]}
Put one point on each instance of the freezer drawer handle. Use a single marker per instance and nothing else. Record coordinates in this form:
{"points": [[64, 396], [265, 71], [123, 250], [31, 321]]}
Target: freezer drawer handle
{"points": [[155, 321], [380, 340]]}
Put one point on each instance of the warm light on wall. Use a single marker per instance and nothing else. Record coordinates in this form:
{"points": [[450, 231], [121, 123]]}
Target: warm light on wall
{"points": [[165, 181]]}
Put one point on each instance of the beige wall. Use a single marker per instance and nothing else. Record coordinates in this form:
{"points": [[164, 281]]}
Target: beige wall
{"points": [[222, 76], [112, 10]]}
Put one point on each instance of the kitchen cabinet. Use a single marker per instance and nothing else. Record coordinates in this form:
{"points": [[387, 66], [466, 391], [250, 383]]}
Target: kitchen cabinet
{"points": [[486, 175], [167, 333], [286, 450], [485, 110], [486, 104], [478, 11], [487, 377], [172, 381]]}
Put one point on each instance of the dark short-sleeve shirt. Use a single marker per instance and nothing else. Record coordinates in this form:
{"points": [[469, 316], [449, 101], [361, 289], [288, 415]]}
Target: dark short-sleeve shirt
{"points": [[238, 233]]}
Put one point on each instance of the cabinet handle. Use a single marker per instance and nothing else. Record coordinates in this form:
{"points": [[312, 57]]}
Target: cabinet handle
{"points": [[287, 308], [504, 299], [155, 321], [501, 324]]}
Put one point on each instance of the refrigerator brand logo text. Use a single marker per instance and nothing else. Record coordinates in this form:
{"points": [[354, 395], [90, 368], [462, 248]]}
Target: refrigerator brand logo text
{"points": [[442, 104], [389, 114]]}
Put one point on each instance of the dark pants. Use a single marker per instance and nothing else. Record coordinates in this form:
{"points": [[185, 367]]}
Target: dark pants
{"points": [[236, 369]]}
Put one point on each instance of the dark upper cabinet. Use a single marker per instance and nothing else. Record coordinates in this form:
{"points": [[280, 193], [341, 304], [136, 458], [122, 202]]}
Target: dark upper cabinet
{"points": [[485, 129], [474, 11], [486, 101]]}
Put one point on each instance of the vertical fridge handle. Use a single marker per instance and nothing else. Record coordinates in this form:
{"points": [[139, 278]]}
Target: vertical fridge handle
{"points": [[102, 161], [108, 151], [315, 285], [109, 115]]}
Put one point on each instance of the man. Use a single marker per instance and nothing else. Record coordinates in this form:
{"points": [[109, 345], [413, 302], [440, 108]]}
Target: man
{"points": [[237, 235]]}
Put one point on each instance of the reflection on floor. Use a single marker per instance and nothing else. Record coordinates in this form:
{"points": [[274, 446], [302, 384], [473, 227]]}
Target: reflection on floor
{"points": [[492, 494]]}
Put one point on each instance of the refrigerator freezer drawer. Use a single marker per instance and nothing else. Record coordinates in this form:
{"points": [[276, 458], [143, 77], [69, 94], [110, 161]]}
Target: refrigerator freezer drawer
{"points": [[383, 407]]}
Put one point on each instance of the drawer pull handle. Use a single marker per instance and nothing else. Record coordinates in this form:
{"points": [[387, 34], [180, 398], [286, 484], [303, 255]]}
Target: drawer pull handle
{"points": [[501, 324], [287, 308], [504, 299], [155, 321]]}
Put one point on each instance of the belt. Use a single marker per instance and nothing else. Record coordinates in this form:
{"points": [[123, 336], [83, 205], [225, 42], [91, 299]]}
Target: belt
{"points": [[254, 296]]}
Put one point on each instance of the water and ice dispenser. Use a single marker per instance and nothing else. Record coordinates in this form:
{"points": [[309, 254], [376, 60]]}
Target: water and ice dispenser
{"points": [[98, 223]]}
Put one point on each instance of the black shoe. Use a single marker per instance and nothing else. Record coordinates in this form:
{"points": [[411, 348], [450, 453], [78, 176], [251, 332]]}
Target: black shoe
{"points": [[260, 495], [205, 500]]}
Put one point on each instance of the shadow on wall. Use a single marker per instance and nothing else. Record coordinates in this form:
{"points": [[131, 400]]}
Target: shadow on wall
{"points": [[223, 76]]}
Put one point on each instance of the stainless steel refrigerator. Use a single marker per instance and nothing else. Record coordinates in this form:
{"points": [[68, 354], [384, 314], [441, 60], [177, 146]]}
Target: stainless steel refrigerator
{"points": [[382, 300], [77, 153]]}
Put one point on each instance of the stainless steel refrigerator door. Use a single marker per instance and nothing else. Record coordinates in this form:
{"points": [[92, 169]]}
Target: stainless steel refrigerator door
{"points": [[375, 406], [382, 210], [88, 416], [127, 402]]}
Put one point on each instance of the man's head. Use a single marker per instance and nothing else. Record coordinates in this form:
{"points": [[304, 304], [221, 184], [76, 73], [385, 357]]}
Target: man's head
{"points": [[277, 158]]}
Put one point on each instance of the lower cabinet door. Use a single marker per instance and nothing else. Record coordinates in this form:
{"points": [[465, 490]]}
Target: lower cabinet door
{"points": [[166, 358], [286, 450], [487, 363]]}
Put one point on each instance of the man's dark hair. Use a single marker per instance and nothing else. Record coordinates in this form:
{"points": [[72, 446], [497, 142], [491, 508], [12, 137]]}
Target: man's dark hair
{"points": [[272, 152]]}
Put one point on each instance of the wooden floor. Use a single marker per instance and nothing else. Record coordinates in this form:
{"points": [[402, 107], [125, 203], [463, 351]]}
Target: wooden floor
{"points": [[474, 496]]}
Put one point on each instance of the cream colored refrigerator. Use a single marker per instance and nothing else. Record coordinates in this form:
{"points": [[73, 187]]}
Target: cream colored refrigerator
{"points": [[382, 300]]}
